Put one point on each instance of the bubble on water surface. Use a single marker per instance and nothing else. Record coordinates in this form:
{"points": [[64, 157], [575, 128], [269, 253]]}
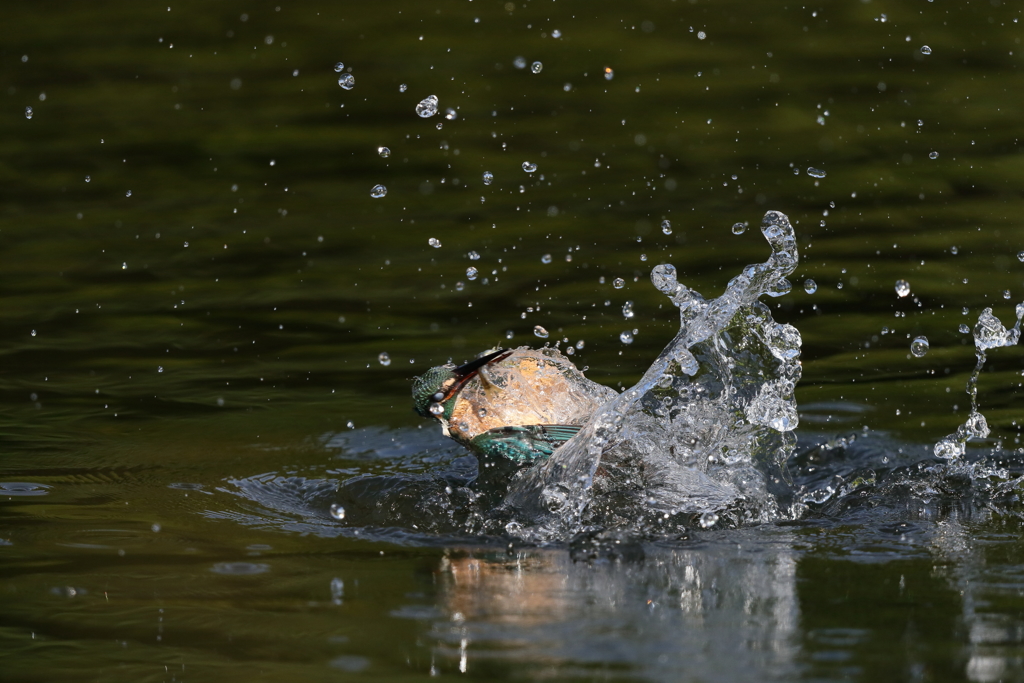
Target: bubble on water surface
{"points": [[919, 347], [618, 283], [434, 242], [337, 512], [427, 107], [529, 166], [384, 358], [339, 67], [378, 191], [536, 67], [384, 152], [347, 81], [488, 177], [666, 227], [815, 172], [539, 331], [810, 286], [925, 50], [902, 288]]}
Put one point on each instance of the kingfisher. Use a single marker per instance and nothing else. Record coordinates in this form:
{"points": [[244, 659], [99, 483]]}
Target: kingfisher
{"points": [[515, 405]]}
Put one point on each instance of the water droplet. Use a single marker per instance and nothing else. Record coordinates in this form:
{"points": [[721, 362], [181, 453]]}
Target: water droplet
{"points": [[1006, 294], [434, 242], [384, 152], [427, 107], [627, 310], [378, 191], [88, 178], [384, 358], [488, 177], [339, 67], [519, 62], [933, 155], [546, 258], [626, 337], [810, 286], [902, 288], [529, 166], [536, 67], [919, 346], [608, 73], [471, 273], [666, 226], [815, 172], [28, 112], [618, 283], [556, 33], [964, 329], [403, 87], [540, 332], [347, 81], [708, 520], [739, 228], [701, 35], [473, 256], [337, 512], [436, 409], [450, 114], [1020, 256], [567, 87], [159, 368], [925, 50]]}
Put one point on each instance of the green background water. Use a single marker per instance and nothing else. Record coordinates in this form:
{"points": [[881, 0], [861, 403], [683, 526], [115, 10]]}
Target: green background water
{"points": [[224, 321]]}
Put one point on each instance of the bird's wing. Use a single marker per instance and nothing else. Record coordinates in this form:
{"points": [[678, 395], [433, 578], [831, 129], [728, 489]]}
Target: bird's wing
{"points": [[524, 443]]}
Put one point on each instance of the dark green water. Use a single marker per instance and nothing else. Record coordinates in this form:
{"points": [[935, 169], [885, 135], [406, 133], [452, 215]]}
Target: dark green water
{"points": [[179, 363]]}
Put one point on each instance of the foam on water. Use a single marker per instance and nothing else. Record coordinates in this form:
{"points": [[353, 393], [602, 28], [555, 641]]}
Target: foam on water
{"points": [[702, 436]]}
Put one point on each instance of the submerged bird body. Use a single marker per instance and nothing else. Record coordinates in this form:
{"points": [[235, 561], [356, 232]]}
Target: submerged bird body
{"points": [[517, 405]]}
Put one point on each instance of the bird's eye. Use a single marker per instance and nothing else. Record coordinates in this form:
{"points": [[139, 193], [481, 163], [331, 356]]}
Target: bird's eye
{"points": [[438, 397]]}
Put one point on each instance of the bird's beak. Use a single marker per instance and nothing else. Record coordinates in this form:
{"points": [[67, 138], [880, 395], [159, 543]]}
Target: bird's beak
{"points": [[466, 372]]}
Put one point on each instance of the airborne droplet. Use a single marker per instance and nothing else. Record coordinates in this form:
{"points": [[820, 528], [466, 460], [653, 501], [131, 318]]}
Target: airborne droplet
{"points": [[815, 172], [666, 226], [540, 332], [488, 177], [347, 81], [919, 346], [434, 242], [529, 166], [536, 67], [339, 67], [337, 512], [925, 50], [378, 191], [427, 107], [384, 152], [384, 358], [810, 286], [902, 288]]}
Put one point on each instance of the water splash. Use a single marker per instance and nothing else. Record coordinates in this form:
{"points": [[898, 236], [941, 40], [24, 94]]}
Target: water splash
{"points": [[989, 333], [706, 431]]}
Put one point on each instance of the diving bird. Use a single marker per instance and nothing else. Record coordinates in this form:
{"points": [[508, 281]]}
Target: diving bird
{"points": [[515, 405]]}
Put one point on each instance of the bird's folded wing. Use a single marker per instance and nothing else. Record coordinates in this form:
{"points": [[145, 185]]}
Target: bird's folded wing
{"points": [[525, 443]]}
